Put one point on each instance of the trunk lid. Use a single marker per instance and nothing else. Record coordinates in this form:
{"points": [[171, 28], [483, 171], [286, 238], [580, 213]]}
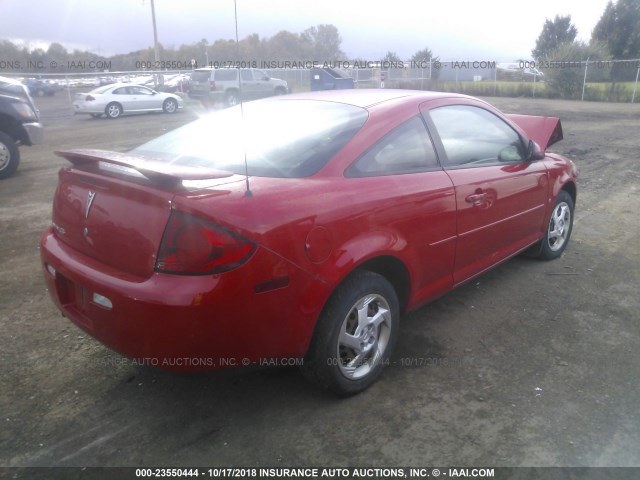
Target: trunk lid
{"points": [[113, 207], [545, 131]]}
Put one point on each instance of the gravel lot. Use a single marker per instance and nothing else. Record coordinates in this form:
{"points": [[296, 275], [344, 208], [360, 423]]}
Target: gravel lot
{"points": [[533, 364]]}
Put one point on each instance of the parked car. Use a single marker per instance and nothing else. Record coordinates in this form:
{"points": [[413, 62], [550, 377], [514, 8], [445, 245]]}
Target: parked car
{"points": [[19, 124], [177, 83], [40, 88], [221, 85], [122, 98], [300, 227]]}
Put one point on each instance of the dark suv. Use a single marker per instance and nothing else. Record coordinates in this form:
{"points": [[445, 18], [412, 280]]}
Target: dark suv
{"points": [[19, 124], [221, 85]]}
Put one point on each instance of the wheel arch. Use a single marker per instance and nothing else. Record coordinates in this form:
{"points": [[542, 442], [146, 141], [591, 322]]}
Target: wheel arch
{"points": [[389, 267], [395, 271], [113, 102], [571, 189], [10, 126]]}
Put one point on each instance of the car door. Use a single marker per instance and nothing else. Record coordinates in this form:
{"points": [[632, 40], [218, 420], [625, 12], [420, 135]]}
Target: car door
{"points": [[263, 85], [249, 84], [415, 200], [143, 98], [123, 96], [500, 196]]}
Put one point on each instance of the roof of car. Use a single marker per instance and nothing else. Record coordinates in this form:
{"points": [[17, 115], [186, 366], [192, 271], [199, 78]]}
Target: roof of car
{"points": [[121, 84], [366, 98]]}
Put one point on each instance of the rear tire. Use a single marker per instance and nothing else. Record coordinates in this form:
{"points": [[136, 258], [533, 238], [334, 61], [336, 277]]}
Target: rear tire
{"points": [[170, 106], [9, 156], [231, 98], [113, 110], [355, 336], [559, 228]]}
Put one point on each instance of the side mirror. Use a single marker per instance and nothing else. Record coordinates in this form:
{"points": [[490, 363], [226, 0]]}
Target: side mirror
{"points": [[534, 152]]}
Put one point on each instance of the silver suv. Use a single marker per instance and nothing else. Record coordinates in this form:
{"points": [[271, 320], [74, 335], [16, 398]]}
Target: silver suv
{"points": [[215, 85]]}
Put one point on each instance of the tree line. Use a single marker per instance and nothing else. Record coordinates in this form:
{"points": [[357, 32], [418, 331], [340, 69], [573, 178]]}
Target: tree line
{"points": [[321, 43], [616, 36]]}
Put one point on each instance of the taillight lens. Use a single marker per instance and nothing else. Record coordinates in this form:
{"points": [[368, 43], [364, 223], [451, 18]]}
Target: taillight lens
{"points": [[193, 246], [212, 85], [89, 98]]}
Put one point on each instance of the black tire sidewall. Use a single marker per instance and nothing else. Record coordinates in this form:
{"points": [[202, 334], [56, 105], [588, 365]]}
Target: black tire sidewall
{"points": [[231, 94], [167, 102], [14, 156], [106, 111], [322, 360], [546, 253]]}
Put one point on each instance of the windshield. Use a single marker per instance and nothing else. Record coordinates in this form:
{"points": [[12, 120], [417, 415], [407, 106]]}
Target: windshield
{"points": [[287, 138]]}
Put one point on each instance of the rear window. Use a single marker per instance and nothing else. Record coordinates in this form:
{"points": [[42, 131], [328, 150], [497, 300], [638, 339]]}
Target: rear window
{"points": [[284, 138], [200, 75]]}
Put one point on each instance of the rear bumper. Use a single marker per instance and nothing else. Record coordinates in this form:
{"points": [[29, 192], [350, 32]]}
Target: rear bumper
{"points": [[188, 322], [84, 108]]}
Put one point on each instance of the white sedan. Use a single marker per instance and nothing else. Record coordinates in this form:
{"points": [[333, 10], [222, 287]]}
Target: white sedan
{"points": [[120, 98]]}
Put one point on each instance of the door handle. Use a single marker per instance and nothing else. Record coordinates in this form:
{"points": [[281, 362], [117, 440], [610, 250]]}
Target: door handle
{"points": [[477, 198]]}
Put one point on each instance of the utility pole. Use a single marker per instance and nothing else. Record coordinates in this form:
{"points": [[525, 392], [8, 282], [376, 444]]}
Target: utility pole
{"points": [[155, 32]]}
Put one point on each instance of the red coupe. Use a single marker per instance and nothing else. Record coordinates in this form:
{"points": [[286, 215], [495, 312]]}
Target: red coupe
{"points": [[300, 227]]}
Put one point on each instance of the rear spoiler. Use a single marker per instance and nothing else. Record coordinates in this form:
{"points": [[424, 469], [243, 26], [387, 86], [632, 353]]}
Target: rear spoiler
{"points": [[157, 171], [545, 131]]}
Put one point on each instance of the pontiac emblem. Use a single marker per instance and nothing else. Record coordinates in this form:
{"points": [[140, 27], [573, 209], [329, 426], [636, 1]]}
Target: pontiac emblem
{"points": [[90, 198]]}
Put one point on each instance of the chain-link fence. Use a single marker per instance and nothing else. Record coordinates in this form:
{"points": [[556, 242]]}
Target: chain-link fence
{"points": [[588, 80]]}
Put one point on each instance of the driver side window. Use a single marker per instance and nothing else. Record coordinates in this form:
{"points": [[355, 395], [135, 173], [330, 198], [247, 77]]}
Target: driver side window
{"points": [[472, 136]]}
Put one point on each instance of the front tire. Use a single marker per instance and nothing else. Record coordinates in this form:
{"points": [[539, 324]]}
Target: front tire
{"points": [[170, 105], [113, 110], [355, 335], [9, 156], [559, 228]]}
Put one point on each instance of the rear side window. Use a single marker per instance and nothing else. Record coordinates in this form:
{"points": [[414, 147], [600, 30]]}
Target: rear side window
{"points": [[407, 149], [226, 75], [200, 75]]}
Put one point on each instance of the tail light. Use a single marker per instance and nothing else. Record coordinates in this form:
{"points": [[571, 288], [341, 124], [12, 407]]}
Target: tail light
{"points": [[193, 246], [212, 85], [89, 98]]}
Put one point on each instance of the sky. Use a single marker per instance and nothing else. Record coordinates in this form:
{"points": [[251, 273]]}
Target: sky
{"points": [[453, 30]]}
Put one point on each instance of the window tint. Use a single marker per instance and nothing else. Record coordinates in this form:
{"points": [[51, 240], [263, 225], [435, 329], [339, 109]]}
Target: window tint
{"points": [[406, 149], [472, 136], [246, 75], [226, 75]]}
